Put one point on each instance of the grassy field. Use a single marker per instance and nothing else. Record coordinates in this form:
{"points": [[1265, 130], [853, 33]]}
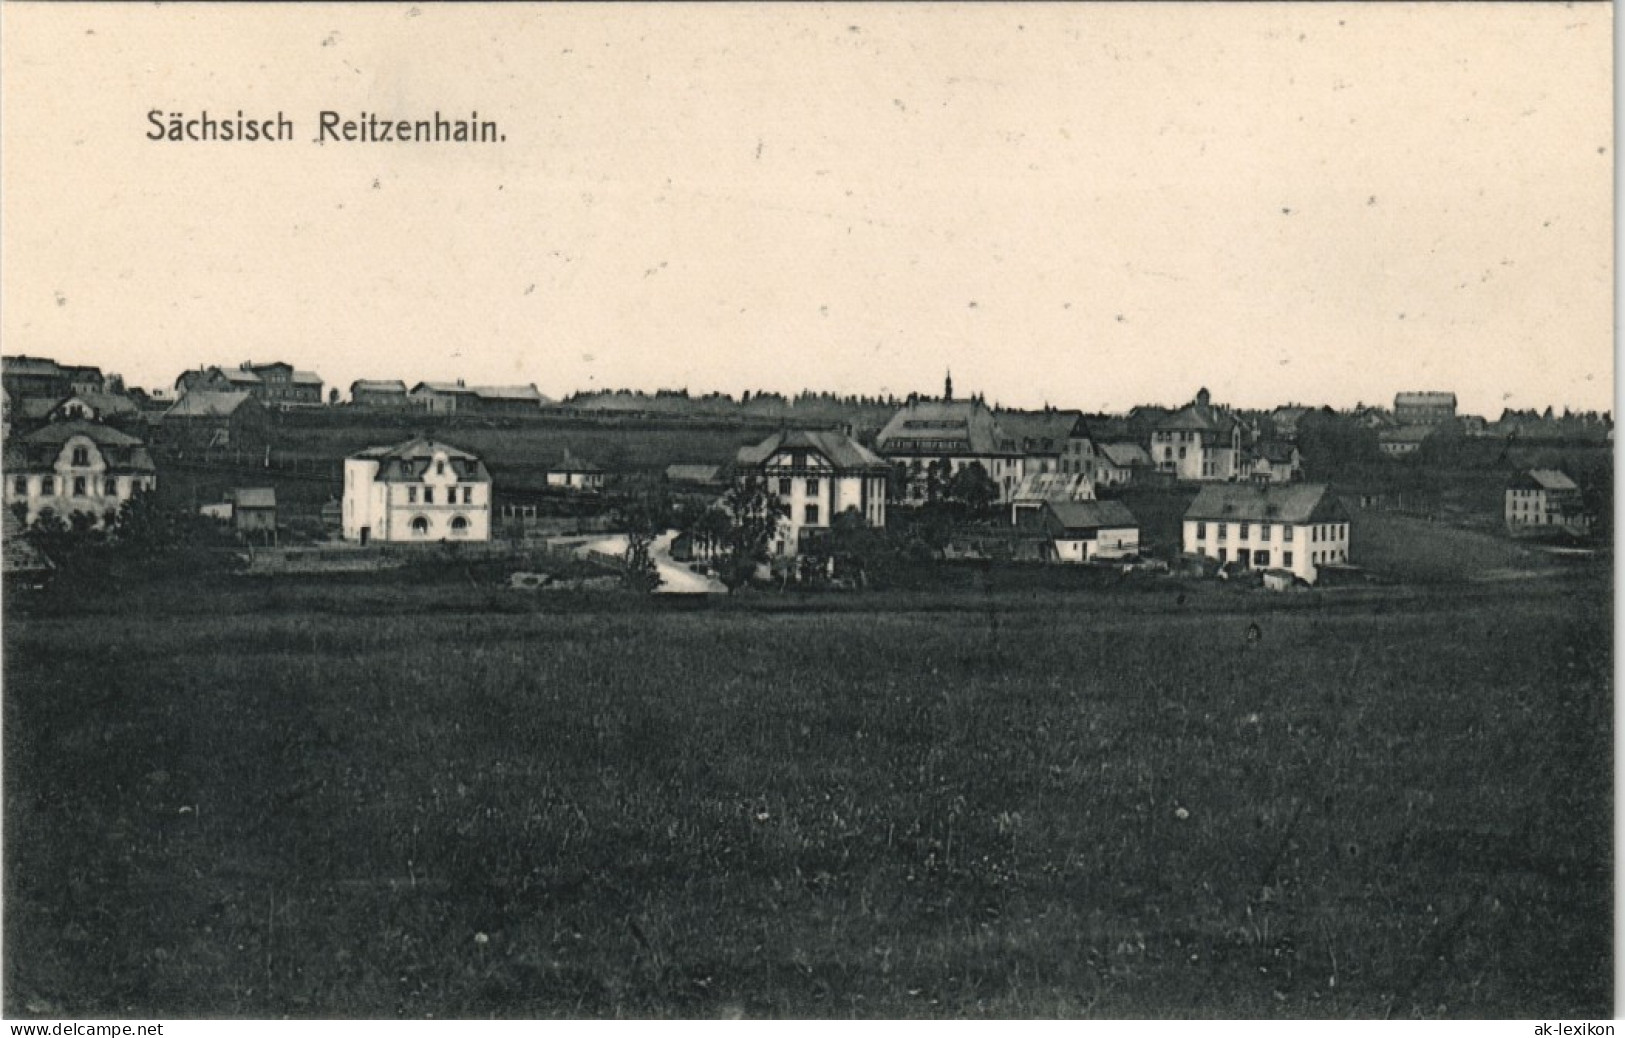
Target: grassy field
{"points": [[394, 799]]}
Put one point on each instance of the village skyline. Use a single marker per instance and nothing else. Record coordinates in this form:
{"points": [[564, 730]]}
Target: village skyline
{"points": [[1090, 206]]}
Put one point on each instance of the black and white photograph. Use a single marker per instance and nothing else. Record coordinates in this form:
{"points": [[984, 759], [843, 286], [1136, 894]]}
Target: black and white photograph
{"points": [[795, 512]]}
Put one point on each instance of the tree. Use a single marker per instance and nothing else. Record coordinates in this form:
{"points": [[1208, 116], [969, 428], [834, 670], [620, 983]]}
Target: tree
{"points": [[972, 487]]}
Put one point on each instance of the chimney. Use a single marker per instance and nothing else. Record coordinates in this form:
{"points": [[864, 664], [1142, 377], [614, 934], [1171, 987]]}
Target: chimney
{"points": [[460, 384]]}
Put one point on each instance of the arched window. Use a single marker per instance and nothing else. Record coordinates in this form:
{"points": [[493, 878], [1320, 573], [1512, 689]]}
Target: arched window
{"points": [[81, 456], [420, 526], [459, 525]]}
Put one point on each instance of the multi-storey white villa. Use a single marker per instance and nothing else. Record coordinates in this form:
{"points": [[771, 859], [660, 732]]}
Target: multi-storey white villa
{"points": [[420, 490]]}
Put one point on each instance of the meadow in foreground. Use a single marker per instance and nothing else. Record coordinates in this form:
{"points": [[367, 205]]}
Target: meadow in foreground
{"points": [[1106, 804]]}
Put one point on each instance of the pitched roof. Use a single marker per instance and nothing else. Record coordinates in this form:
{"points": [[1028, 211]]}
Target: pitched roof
{"points": [[254, 497], [1429, 399], [443, 387], [1275, 452], [39, 450], [1042, 432], [238, 376], [103, 403], [1405, 434], [208, 403], [1124, 455], [407, 461], [1267, 503], [1054, 486], [23, 365], [944, 427], [569, 463], [843, 452], [1198, 418], [694, 473], [306, 378], [371, 385], [1552, 479], [526, 393], [1090, 515]]}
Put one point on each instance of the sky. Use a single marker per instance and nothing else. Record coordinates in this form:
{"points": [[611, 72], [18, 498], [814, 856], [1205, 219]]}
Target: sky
{"points": [[1079, 205]]}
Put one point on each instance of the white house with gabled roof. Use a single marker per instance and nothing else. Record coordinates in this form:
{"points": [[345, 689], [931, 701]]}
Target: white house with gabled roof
{"points": [[1298, 527], [419, 491], [817, 476]]}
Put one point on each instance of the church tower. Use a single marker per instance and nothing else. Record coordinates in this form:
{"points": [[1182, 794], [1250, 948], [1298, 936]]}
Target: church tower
{"points": [[948, 386]]}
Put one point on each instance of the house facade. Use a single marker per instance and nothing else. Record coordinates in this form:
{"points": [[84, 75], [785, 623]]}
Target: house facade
{"points": [[1050, 441], [817, 476], [1198, 443], [420, 491], [24, 377], [572, 473], [1402, 441], [1297, 528], [76, 467], [207, 418], [1544, 499], [1120, 464], [1273, 462]]}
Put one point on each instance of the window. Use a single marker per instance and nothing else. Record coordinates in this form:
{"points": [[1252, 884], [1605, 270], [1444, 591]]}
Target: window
{"points": [[1286, 534], [468, 495], [1223, 554], [428, 495], [784, 486], [81, 456], [110, 487], [1224, 530], [1181, 454], [440, 467], [78, 486], [1244, 528], [1261, 558], [812, 487], [1264, 531], [19, 486], [420, 526], [459, 525], [411, 495], [812, 515], [1201, 531], [1286, 557]]}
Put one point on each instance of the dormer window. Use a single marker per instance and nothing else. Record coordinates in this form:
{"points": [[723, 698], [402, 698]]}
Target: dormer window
{"points": [[440, 467], [81, 456]]}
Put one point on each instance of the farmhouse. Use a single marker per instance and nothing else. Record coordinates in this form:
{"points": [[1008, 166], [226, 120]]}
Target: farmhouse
{"points": [[1117, 464], [420, 490], [817, 475], [1544, 499], [573, 473], [75, 467], [366, 392], [1198, 442], [25, 377], [951, 435], [459, 398], [1297, 528], [1083, 531], [1424, 408], [206, 418]]}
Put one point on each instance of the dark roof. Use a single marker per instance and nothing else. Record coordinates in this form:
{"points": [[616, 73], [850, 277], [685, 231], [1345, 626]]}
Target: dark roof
{"points": [[22, 365], [1424, 399], [1124, 455], [39, 450], [103, 403], [306, 378], [1275, 452], [254, 497], [568, 463], [406, 462], [208, 403], [842, 451], [1198, 418], [694, 473], [1267, 503], [1042, 432], [370, 385], [1090, 515]]}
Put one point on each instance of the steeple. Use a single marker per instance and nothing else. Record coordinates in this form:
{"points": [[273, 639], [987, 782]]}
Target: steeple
{"points": [[948, 386]]}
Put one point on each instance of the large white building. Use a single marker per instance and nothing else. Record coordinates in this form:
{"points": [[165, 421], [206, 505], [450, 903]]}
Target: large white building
{"points": [[417, 491], [76, 467], [817, 476], [1542, 499], [1298, 528]]}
